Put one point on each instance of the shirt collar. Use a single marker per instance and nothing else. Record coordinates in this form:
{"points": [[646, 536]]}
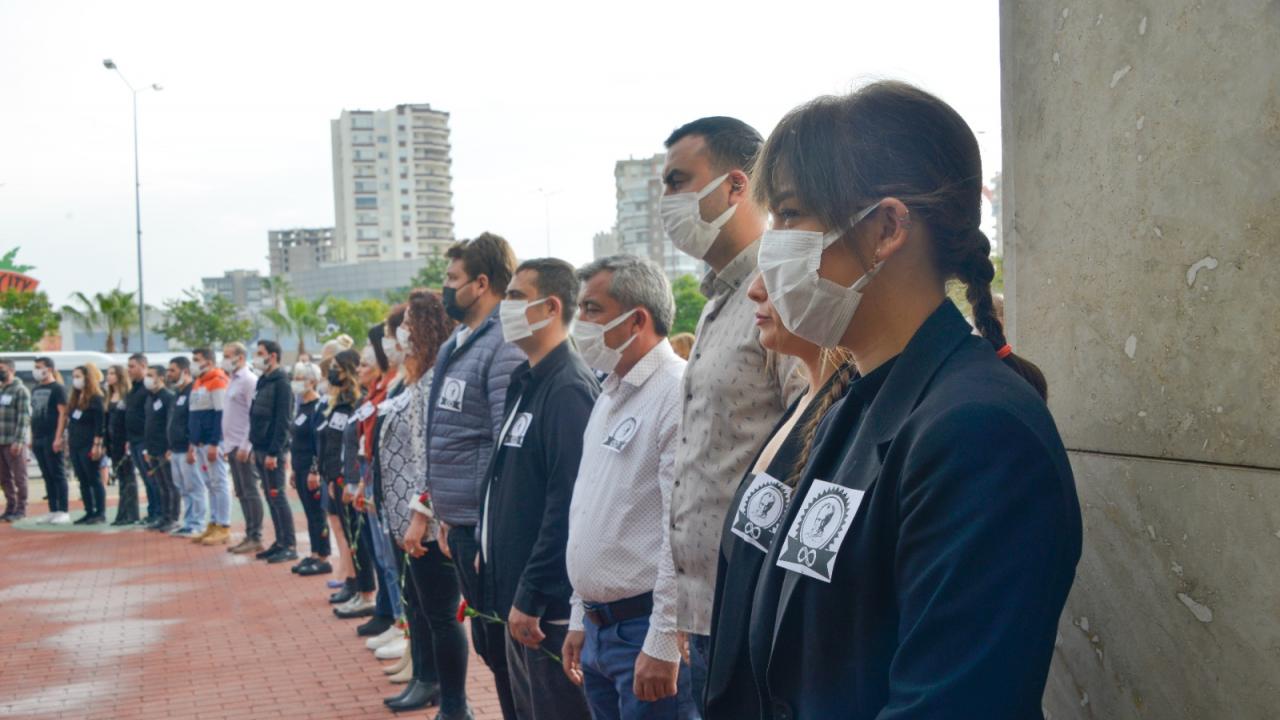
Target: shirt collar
{"points": [[738, 269], [657, 356]]}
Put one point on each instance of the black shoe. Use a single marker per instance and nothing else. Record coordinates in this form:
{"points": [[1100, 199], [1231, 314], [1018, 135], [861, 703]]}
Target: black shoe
{"points": [[376, 626], [306, 562], [347, 592], [464, 715], [319, 567], [269, 551], [16, 516], [417, 695], [166, 526], [83, 520], [97, 520], [7, 517], [351, 614], [284, 554]]}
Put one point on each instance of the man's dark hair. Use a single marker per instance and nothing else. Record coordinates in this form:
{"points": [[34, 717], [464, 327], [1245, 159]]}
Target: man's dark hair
{"points": [[7, 362], [139, 357], [731, 143], [158, 369], [489, 255], [202, 352], [555, 277], [183, 363], [272, 347], [46, 361]]}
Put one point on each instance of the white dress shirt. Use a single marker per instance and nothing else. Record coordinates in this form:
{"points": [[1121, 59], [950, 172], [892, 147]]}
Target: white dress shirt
{"points": [[619, 544]]}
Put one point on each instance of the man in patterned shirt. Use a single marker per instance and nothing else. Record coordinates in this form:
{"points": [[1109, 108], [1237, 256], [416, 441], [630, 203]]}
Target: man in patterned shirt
{"points": [[734, 390], [622, 629], [15, 436]]}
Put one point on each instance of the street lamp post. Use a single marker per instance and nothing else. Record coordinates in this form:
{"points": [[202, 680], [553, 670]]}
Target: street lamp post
{"points": [[137, 197]]}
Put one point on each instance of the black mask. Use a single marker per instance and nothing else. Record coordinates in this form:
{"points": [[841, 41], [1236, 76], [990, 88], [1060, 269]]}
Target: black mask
{"points": [[335, 378], [449, 297], [4, 375]]}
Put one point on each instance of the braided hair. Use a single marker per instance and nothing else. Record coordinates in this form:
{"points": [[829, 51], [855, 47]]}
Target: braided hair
{"points": [[894, 140], [832, 391]]}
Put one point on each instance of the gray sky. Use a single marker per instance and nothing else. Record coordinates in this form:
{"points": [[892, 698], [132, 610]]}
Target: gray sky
{"points": [[542, 95]]}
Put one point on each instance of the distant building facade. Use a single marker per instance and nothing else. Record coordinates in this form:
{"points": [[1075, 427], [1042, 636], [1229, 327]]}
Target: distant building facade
{"points": [[639, 224], [302, 249], [246, 289], [354, 281], [392, 184]]}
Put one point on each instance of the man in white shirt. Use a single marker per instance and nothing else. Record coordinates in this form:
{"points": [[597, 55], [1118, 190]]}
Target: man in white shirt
{"points": [[236, 446], [622, 644]]}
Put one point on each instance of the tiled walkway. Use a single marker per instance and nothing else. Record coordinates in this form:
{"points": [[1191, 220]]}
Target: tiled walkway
{"points": [[101, 624]]}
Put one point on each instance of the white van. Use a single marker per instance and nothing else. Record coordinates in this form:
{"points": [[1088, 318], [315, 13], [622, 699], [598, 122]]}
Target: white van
{"points": [[65, 362]]}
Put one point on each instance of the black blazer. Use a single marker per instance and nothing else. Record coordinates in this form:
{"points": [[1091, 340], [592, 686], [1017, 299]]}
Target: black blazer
{"points": [[946, 590]]}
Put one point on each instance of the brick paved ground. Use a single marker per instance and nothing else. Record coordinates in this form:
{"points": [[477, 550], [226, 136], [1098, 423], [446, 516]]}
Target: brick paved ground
{"points": [[106, 624]]}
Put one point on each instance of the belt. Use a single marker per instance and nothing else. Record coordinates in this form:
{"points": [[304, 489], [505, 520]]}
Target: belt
{"points": [[606, 614]]}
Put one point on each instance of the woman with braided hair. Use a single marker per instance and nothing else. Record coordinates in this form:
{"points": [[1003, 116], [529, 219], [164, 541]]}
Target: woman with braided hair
{"points": [[927, 549]]}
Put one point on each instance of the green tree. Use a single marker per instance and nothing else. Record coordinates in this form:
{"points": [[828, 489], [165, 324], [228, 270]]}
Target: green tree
{"points": [[115, 310], [278, 288], [689, 302], [25, 317], [196, 322], [354, 318], [301, 318], [430, 276]]}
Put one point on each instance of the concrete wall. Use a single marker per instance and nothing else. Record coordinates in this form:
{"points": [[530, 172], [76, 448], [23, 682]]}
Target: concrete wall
{"points": [[1142, 217]]}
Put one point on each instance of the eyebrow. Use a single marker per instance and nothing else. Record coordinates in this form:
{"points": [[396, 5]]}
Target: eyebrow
{"points": [[670, 177], [781, 197]]}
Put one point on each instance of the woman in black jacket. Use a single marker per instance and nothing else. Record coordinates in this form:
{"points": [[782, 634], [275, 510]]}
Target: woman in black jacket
{"points": [[118, 387], [757, 508], [302, 452], [328, 470], [86, 424], [924, 560]]}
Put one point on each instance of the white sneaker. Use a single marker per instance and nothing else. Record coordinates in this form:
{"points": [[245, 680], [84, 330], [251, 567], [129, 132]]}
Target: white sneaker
{"points": [[60, 519], [44, 519], [387, 636], [393, 650]]}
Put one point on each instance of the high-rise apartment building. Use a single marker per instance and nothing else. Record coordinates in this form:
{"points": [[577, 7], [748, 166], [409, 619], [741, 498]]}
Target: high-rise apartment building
{"points": [[246, 289], [391, 183], [302, 249], [639, 225]]}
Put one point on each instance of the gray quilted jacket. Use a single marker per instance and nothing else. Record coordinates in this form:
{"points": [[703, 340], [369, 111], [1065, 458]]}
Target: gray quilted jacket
{"points": [[465, 414]]}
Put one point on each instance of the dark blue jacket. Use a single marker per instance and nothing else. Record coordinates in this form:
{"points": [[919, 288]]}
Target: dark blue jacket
{"points": [[946, 590]]}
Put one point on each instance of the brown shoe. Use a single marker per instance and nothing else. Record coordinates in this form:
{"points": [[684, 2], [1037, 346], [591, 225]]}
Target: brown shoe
{"points": [[219, 535], [197, 539], [247, 546]]}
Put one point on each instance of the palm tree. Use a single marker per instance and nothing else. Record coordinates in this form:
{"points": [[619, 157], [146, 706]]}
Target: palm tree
{"points": [[115, 310], [278, 287], [301, 317]]}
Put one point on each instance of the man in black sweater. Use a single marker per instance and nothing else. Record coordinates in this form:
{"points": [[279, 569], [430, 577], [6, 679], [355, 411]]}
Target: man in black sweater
{"points": [[155, 451], [135, 426], [526, 491], [269, 419]]}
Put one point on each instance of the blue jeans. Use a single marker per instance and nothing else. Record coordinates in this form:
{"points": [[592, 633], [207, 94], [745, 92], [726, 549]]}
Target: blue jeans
{"points": [[154, 509], [383, 556], [186, 477], [215, 483], [608, 672], [699, 661]]}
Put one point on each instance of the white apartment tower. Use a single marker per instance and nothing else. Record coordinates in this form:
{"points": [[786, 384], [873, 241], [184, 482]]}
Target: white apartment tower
{"points": [[639, 225], [391, 184]]}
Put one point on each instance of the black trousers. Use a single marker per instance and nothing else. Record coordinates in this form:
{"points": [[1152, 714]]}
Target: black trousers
{"points": [[92, 492], [169, 500], [489, 639], [277, 500], [432, 593], [54, 472], [362, 554], [312, 505], [127, 502]]}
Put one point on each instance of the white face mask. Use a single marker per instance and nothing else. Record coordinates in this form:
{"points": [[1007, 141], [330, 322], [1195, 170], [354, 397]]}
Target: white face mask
{"points": [[228, 366], [323, 387], [591, 344], [38, 374], [402, 335], [515, 319], [394, 355], [77, 383], [299, 387], [150, 384], [682, 220], [812, 307], [259, 363]]}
